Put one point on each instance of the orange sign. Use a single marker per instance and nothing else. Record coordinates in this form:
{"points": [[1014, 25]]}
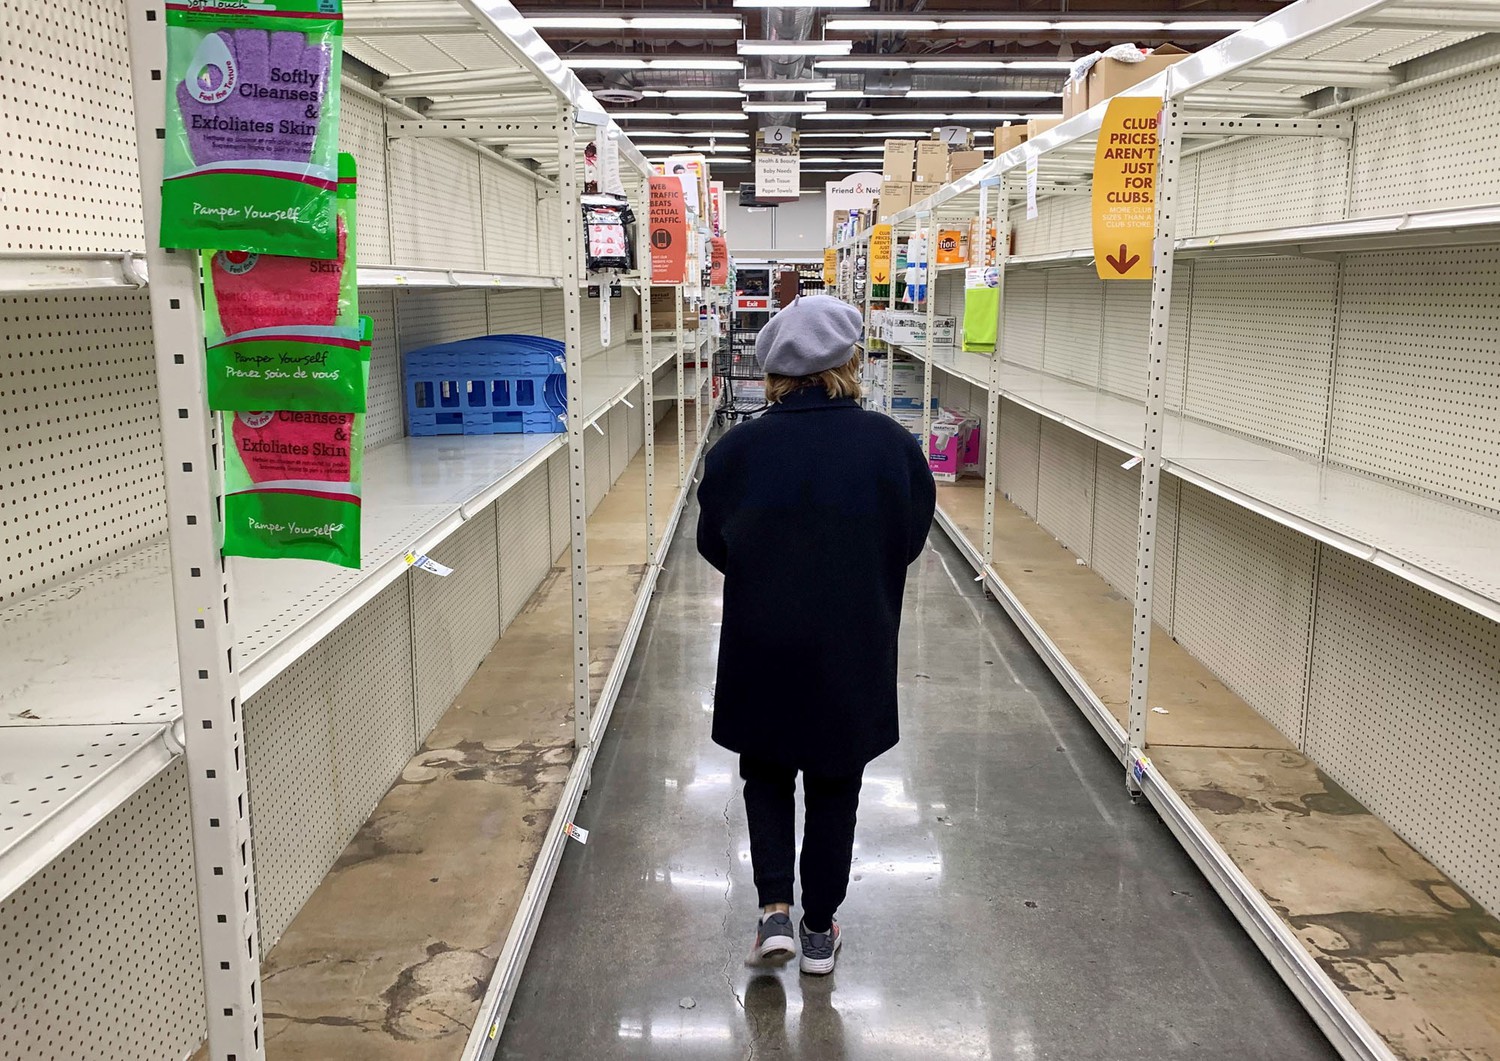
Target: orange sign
{"points": [[1125, 188], [669, 231], [830, 266], [880, 254], [718, 261]]}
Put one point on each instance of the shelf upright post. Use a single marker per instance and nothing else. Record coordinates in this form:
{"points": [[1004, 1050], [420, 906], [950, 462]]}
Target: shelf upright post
{"points": [[870, 294], [992, 396], [578, 512], [681, 393], [1170, 152], [213, 730], [648, 383], [927, 369]]}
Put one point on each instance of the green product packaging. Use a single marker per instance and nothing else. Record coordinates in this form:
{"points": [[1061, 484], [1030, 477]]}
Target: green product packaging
{"points": [[293, 479], [252, 127], [981, 308], [283, 332]]}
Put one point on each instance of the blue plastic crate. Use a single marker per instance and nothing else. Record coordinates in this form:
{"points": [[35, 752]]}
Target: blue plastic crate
{"points": [[495, 384]]}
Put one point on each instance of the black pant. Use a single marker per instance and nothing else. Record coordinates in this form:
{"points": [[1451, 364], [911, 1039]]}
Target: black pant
{"points": [[827, 841]]}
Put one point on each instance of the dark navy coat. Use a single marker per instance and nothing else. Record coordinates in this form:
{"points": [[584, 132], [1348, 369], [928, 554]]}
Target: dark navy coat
{"points": [[813, 512]]}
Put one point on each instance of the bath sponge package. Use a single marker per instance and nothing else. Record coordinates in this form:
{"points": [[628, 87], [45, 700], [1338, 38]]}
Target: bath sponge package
{"points": [[292, 481], [283, 332], [252, 127]]}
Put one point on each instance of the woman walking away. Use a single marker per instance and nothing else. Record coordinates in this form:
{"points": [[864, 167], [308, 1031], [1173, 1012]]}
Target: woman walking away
{"points": [[813, 513]]}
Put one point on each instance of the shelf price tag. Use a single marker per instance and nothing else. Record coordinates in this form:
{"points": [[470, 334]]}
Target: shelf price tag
{"points": [[577, 832], [427, 563], [1031, 174], [1125, 188]]}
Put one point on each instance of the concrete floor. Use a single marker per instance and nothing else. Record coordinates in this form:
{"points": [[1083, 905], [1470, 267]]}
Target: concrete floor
{"points": [[1008, 901]]}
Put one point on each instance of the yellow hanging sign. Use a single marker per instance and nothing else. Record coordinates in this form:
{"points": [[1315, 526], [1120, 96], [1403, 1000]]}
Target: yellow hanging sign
{"points": [[880, 254], [1125, 188], [830, 266]]}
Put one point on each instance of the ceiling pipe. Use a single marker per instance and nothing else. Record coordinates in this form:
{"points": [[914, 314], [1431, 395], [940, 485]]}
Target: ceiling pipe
{"points": [[785, 24]]}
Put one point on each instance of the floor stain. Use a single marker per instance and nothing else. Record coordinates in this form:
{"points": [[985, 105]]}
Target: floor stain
{"points": [[436, 997]]}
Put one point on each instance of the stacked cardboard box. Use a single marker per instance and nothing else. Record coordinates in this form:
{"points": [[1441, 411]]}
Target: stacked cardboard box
{"points": [[1110, 77], [932, 161], [961, 162]]}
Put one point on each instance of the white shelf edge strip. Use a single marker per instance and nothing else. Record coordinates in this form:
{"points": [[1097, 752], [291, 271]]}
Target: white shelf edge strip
{"points": [[1324, 1002], [50, 836]]}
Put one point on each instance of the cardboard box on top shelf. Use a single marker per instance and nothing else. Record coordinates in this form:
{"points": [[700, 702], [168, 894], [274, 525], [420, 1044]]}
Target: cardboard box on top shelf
{"points": [[1037, 126], [1075, 97], [900, 160], [1110, 77], [932, 161], [1008, 137], [922, 189], [961, 162], [895, 196]]}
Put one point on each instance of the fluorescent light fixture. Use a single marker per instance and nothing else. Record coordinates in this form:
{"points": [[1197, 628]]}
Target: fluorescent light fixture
{"points": [[709, 149], [853, 133], [692, 63], [1014, 25], [913, 25], [1211, 25], [794, 48], [692, 116], [1105, 25], [844, 93], [787, 84], [576, 22], [685, 21], [646, 148], [908, 116], [862, 64], [1017, 93], [695, 93], [842, 116], [728, 162], [801, 3], [811, 106], [680, 134], [1018, 64], [605, 62]]}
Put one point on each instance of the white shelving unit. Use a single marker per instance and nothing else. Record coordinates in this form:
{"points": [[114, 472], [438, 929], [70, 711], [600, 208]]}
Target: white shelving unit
{"points": [[463, 230], [1315, 453]]}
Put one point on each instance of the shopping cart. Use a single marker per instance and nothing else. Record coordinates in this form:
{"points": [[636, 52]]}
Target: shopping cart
{"points": [[742, 382]]}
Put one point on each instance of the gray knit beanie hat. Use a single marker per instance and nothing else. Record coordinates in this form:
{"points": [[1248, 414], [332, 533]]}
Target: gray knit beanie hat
{"points": [[813, 334]]}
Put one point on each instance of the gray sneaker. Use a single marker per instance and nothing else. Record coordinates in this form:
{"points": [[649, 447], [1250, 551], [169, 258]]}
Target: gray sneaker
{"points": [[820, 949], [773, 940]]}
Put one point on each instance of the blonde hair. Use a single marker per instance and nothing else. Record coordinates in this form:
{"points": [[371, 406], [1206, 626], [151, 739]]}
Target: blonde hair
{"points": [[841, 382]]}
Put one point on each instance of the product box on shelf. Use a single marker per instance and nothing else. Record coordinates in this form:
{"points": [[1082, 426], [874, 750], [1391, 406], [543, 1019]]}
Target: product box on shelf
{"points": [[895, 196], [664, 310], [910, 329], [961, 162], [840, 219], [1008, 137], [932, 161], [1075, 96], [972, 461], [1037, 126], [900, 160], [922, 189], [1110, 77]]}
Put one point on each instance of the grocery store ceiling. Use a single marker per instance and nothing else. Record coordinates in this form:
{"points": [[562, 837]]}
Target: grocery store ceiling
{"points": [[675, 73]]}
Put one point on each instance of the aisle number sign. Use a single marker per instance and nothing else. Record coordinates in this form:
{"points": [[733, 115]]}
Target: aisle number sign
{"points": [[1125, 189], [830, 266], [880, 254]]}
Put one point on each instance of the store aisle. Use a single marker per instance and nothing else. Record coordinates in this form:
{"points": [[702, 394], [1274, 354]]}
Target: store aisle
{"points": [[1008, 901]]}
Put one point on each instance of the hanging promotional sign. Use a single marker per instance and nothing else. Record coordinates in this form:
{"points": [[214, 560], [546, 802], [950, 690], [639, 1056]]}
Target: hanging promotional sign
{"points": [[855, 192], [1125, 188], [718, 261], [716, 214], [689, 170], [880, 254], [669, 231], [830, 266]]}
